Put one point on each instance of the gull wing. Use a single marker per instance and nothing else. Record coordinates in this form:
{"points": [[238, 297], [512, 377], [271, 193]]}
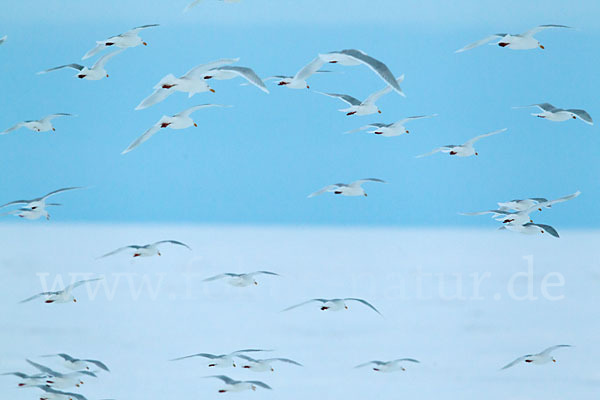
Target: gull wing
{"points": [[224, 378], [407, 360], [366, 303], [305, 302], [78, 67], [247, 351], [120, 249], [549, 203], [61, 393], [377, 66], [220, 276], [470, 142], [405, 120], [581, 114], [156, 97], [542, 106], [104, 59], [375, 96], [540, 28], [97, 49], [246, 73], [481, 42], [260, 384], [263, 273], [323, 190], [172, 242], [52, 116], [44, 369], [546, 228], [13, 128], [361, 181], [205, 355], [79, 283], [37, 295], [376, 362], [59, 191], [437, 150], [552, 348], [285, 360], [198, 71], [145, 136], [186, 113], [309, 69], [99, 364], [247, 358], [135, 31], [344, 97], [516, 361]]}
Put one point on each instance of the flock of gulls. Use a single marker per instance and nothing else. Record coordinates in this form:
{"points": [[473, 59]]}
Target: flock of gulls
{"points": [[513, 215]]}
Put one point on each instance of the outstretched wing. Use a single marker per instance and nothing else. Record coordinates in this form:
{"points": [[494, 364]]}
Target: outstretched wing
{"points": [[38, 295], [186, 113], [52, 116], [220, 276], [470, 142], [246, 73], [135, 31], [145, 136], [309, 69], [43, 368], [156, 97], [120, 249], [552, 348], [198, 71], [405, 120], [377, 66], [344, 97], [480, 42], [540, 28], [224, 378], [104, 59], [78, 67], [60, 191], [99, 47], [172, 242], [323, 190], [205, 355], [285, 360], [306, 302], [581, 114], [79, 283], [366, 303], [263, 273], [98, 364], [407, 360], [518, 360], [546, 228], [542, 106], [12, 128], [375, 96], [435, 151], [376, 362], [260, 384], [361, 181]]}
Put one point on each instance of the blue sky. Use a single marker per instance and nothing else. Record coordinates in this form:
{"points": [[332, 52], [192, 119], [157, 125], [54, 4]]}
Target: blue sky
{"points": [[257, 162]]}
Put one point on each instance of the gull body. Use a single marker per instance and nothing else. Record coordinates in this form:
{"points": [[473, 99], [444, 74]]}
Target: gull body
{"points": [[462, 150], [263, 365], [365, 107], [40, 125], [31, 213], [334, 304], [390, 130], [530, 228], [388, 366], [220, 360], [520, 41], [554, 114], [61, 296], [78, 364], [240, 280], [192, 82], [181, 120], [231, 385], [93, 73], [60, 380], [351, 57], [147, 250], [543, 357], [123, 41], [352, 189]]}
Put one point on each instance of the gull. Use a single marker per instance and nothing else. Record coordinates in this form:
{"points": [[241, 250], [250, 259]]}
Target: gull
{"points": [[61, 296], [93, 73], [520, 41], [53, 394], [40, 125], [352, 189], [3, 39], [230, 72], [220, 360], [240, 280], [298, 81], [542, 357], [263, 365], [530, 228], [365, 107], [32, 214], [60, 380], [147, 250], [231, 385], [191, 83], [123, 41], [335, 304], [462, 150], [79, 364], [196, 2], [40, 201], [554, 114], [29, 380], [389, 130], [357, 57], [181, 120], [388, 366], [522, 204]]}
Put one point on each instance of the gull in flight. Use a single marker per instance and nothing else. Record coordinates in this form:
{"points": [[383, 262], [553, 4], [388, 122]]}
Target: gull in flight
{"points": [[122, 41], [29, 380], [191, 83], [298, 81], [61, 296], [3, 39], [357, 57], [240, 280], [230, 72], [335, 304], [554, 114], [39, 202], [78, 364], [263, 365], [520, 41], [93, 73], [147, 250], [389, 130], [196, 2], [40, 125], [53, 394], [388, 366], [177, 121], [220, 360], [352, 189], [60, 380], [365, 107], [530, 228], [542, 357], [522, 204], [32, 214], [231, 385], [462, 150]]}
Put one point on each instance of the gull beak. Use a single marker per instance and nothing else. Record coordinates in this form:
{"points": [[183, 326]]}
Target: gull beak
{"points": [[145, 44], [212, 90], [541, 47], [195, 124], [379, 111]]}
